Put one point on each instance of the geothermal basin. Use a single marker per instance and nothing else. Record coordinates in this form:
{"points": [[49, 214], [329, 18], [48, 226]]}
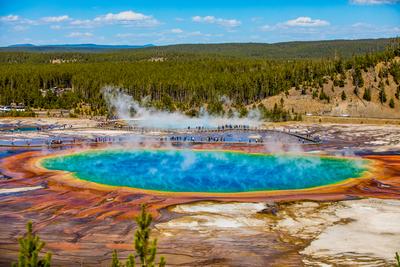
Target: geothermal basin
{"points": [[203, 171]]}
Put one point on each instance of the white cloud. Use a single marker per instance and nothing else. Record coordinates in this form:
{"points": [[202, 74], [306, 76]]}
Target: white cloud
{"points": [[127, 17], [361, 25], [195, 33], [14, 19], [361, 28], [124, 35], [305, 22], [166, 36], [123, 16], [177, 30], [256, 19], [139, 35], [266, 28], [20, 28], [9, 18], [17, 20], [55, 27], [79, 34], [219, 21], [55, 19], [198, 33], [374, 2], [357, 30], [85, 23]]}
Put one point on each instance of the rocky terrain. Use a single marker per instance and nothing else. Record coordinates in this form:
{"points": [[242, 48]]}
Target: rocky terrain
{"points": [[353, 105]]}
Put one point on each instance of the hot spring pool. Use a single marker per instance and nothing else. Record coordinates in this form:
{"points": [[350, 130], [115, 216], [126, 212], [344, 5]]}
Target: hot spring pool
{"points": [[205, 171]]}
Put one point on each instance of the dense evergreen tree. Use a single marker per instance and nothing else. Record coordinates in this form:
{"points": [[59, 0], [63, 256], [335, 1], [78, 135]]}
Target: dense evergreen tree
{"points": [[358, 80], [382, 93], [391, 103], [343, 96], [145, 248], [115, 262], [367, 94], [395, 71], [323, 96], [356, 91], [30, 246]]}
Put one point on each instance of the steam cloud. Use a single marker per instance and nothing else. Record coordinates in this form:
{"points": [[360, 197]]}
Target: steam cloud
{"points": [[148, 117]]}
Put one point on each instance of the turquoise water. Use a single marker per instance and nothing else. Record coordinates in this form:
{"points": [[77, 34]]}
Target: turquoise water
{"points": [[205, 171]]}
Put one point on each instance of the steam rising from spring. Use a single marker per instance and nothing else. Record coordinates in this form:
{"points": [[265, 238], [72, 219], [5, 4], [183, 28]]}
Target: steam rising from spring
{"points": [[148, 117]]}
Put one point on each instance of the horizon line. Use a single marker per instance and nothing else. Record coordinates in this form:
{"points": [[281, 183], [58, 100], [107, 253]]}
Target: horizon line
{"points": [[199, 43]]}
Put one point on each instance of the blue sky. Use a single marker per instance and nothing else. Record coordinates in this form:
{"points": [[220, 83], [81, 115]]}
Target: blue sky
{"points": [[175, 21]]}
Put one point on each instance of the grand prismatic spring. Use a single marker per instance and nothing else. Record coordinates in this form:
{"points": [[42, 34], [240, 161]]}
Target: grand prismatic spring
{"points": [[201, 195], [205, 171]]}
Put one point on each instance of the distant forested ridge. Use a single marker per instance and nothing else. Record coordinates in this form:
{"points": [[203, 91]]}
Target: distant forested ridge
{"points": [[286, 50], [185, 77]]}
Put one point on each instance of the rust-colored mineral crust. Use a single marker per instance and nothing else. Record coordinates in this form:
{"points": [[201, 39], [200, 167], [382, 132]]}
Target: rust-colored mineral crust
{"points": [[84, 220]]}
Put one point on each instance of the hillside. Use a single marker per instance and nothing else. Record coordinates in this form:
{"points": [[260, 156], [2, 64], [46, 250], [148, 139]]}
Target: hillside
{"points": [[285, 50], [374, 79]]}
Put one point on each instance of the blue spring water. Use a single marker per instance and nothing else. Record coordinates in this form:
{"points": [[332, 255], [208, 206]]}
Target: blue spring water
{"points": [[205, 171]]}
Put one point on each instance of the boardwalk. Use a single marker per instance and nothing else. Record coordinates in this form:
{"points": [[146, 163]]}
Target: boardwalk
{"points": [[62, 136]]}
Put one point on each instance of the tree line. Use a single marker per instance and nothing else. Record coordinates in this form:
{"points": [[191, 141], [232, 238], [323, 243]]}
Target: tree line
{"points": [[185, 82], [284, 50]]}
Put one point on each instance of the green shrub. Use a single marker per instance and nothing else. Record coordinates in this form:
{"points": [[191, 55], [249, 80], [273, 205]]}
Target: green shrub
{"points": [[146, 249], [30, 246], [391, 103], [15, 113], [367, 94], [344, 97], [397, 257]]}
